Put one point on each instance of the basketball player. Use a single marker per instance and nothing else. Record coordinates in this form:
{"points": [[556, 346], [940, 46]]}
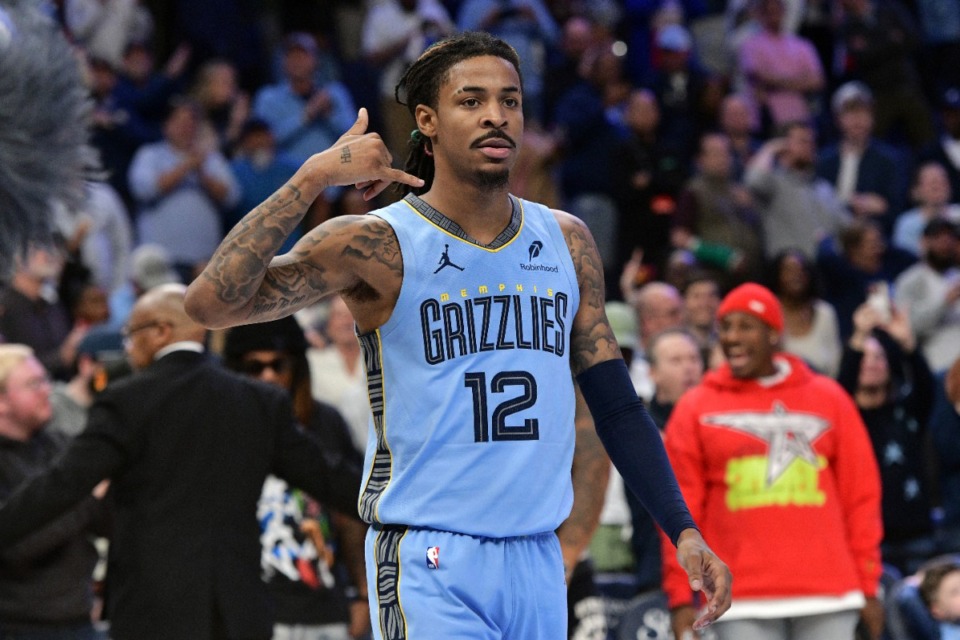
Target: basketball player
{"points": [[474, 309]]}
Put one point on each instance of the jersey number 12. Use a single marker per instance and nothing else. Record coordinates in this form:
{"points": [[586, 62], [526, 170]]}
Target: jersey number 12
{"points": [[483, 429]]}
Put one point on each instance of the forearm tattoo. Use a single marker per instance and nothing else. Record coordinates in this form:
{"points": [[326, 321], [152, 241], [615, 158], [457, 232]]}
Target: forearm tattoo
{"points": [[239, 263], [343, 254]]}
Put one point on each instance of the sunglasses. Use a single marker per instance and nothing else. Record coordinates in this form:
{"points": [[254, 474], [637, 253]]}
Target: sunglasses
{"points": [[279, 366]]}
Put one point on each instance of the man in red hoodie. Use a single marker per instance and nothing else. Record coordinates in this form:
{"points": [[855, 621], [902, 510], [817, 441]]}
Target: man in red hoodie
{"points": [[777, 467]]}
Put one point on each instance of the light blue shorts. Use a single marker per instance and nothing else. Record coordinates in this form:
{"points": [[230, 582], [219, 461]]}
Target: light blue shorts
{"points": [[427, 584]]}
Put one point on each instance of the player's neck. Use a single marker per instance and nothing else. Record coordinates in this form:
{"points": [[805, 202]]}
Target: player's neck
{"points": [[481, 213]]}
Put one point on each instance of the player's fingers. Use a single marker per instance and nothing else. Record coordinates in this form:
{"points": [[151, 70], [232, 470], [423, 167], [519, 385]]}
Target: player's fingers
{"points": [[693, 567], [709, 615], [723, 591], [703, 621], [359, 127], [375, 189], [716, 587], [396, 175]]}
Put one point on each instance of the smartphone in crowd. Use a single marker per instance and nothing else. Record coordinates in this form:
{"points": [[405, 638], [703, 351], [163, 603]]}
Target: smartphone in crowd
{"points": [[878, 297]]}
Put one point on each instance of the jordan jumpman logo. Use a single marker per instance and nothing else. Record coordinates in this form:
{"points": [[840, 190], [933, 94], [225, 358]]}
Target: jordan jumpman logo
{"points": [[445, 260]]}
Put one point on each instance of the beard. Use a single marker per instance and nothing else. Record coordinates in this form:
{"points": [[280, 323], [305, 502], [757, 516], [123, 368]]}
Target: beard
{"points": [[492, 180], [484, 179]]}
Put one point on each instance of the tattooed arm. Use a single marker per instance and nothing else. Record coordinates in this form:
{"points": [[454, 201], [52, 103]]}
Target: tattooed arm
{"points": [[244, 282], [591, 340], [591, 471]]}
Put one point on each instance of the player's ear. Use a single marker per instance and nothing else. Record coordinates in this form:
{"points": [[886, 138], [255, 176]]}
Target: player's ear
{"points": [[426, 119]]}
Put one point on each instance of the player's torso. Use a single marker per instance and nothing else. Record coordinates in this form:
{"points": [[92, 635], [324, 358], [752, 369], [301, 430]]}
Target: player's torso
{"points": [[469, 379]]}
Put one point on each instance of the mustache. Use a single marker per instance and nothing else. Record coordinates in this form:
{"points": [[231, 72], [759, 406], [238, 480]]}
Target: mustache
{"points": [[494, 135]]}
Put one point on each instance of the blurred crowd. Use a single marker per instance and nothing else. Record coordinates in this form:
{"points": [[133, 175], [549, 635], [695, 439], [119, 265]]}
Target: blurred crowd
{"points": [[812, 146]]}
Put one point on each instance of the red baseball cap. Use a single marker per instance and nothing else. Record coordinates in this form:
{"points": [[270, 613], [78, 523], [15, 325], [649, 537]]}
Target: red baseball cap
{"points": [[756, 300]]}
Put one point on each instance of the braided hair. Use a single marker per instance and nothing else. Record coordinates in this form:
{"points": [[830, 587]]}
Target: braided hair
{"points": [[421, 83]]}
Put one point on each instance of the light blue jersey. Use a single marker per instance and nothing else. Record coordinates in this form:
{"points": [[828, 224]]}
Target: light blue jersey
{"points": [[469, 379]]}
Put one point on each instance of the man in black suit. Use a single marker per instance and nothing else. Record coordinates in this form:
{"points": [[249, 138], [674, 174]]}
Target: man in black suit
{"points": [[187, 446]]}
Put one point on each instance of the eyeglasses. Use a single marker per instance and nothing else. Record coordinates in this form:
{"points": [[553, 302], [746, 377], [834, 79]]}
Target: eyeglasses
{"points": [[128, 332], [279, 366]]}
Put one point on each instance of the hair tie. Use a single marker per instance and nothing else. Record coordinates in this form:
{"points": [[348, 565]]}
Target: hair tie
{"points": [[418, 138]]}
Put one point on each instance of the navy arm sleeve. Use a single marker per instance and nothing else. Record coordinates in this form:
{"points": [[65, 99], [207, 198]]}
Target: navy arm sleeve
{"points": [[331, 477], [634, 444]]}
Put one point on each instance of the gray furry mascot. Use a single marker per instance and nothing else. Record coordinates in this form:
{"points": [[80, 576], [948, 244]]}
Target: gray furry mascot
{"points": [[44, 126]]}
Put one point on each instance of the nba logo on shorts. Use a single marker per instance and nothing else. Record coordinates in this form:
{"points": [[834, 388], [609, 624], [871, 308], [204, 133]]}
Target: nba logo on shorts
{"points": [[433, 557]]}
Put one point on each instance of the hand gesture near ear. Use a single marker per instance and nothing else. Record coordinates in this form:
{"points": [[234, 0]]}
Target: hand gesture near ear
{"points": [[359, 158]]}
